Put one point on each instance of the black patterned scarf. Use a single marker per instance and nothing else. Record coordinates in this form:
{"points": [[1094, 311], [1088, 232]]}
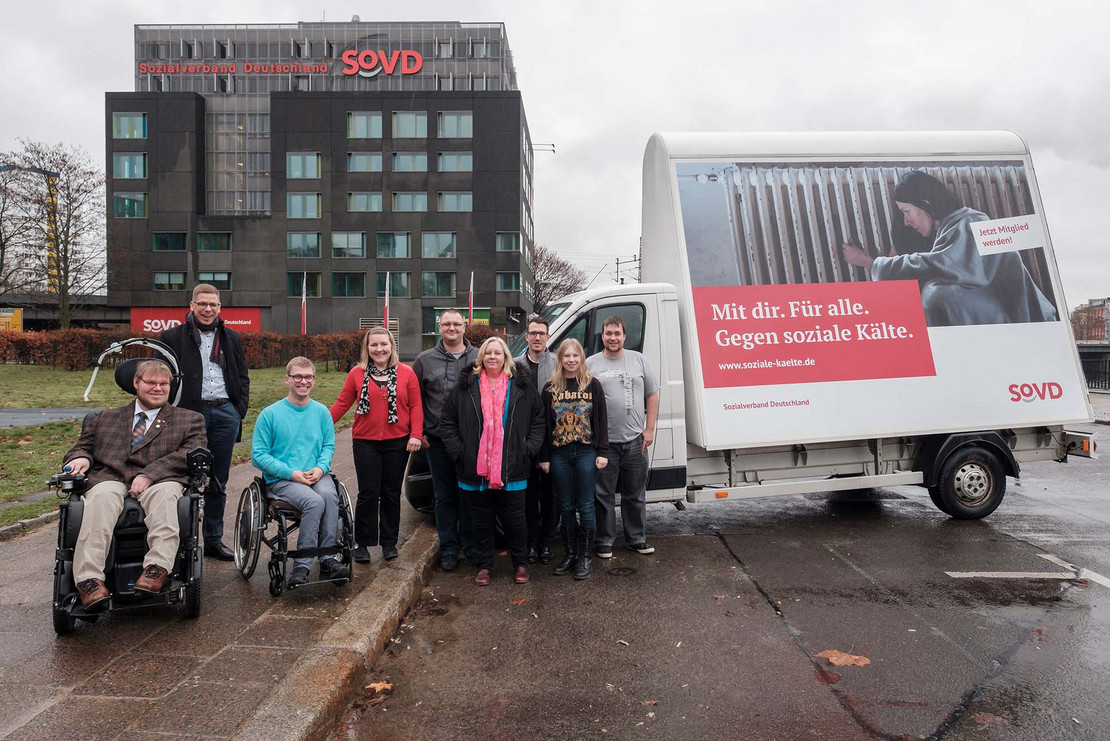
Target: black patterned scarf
{"points": [[390, 390]]}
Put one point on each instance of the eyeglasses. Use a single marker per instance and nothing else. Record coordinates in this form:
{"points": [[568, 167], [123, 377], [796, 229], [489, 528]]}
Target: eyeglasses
{"points": [[537, 334], [206, 304], [451, 324], [301, 378], [156, 384]]}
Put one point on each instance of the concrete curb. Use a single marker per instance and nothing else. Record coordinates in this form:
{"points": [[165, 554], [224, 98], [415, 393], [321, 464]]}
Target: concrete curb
{"points": [[308, 701], [25, 526]]}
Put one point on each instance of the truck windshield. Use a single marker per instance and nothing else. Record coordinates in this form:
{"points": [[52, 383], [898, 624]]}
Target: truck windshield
{"points": [[551, 313]]}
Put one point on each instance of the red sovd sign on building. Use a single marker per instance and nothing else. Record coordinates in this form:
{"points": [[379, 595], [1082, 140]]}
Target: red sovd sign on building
{"points": [[159, 320]]}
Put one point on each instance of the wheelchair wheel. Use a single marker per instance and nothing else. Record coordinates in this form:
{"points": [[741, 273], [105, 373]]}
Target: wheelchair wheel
{"points": [[192, 600], [346, 524], [248, 529], [276, 586], [63, 622]]}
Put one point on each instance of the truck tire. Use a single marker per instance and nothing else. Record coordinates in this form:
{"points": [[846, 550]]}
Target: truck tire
{"points": [[972, 483]]}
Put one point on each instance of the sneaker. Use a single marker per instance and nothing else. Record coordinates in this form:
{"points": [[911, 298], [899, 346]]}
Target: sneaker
{"points": [[331, 568], [361, 554], [298, 577], [604, 551], [644, 548], [449, 561]]}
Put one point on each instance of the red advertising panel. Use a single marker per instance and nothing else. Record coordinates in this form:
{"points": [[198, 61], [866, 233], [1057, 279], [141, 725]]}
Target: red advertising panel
{"points": [[805, 333], [159, 320]]}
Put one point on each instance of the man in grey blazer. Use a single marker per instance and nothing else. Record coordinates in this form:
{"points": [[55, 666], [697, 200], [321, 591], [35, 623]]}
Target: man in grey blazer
{"points": [[139, 450]]}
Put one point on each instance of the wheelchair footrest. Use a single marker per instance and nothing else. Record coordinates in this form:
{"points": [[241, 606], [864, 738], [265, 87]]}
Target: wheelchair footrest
{"points": [[333, 550]]}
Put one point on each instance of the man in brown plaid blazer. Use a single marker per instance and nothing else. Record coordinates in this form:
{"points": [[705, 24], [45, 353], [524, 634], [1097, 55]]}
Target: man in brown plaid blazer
{"points": [[140, 450]]}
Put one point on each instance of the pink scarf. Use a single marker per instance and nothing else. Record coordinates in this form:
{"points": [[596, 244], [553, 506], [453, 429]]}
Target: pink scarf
{"points": [[492, 442]]}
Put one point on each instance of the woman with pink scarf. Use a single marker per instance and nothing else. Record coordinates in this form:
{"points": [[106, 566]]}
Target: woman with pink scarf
{"points": [[493, 427]]}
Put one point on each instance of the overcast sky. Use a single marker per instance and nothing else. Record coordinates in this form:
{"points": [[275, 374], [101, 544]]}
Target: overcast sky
{"points": [[599, 77]]}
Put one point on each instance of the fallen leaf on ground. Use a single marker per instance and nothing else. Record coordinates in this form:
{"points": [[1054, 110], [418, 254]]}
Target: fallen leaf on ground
{"points": [[623, 643], [719, 597], [379, 686], [839, 658], [520, 601], [649, 702], [985, 720], [651, 715]]}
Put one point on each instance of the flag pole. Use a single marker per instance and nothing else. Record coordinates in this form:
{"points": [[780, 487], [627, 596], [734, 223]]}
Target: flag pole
{"points": [[387, 300], [304, 303], [470, 303]]}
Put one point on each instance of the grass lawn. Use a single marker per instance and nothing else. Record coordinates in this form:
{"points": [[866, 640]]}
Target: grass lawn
{"points": [[30, 455]]}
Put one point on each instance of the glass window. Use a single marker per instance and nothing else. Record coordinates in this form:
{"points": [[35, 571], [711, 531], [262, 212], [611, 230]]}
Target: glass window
{"points": [[410, 201], [302, 205], [364, 161], [302, 165], [169, 281], [398, 285], [311, 284], [129, 165], [214, 242], [445, 49], [494, 83], [508, 281], [408, 125], [302, 244], [508, 241], [129, 126], [221, 280], [348, 244], [348, 285], [393, 244], [633, 316], [129, 205], [364, 202], [437, 244], [456, 162], [410, 162], [456, 125], [364, 125], [461, 201], [438, 285], [169, 242]]}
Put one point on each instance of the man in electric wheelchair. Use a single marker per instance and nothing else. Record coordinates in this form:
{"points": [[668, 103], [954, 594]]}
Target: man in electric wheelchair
{"points": [[293, 443], [143, 450]]}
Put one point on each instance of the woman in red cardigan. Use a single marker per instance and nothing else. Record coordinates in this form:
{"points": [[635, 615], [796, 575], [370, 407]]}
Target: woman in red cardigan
{"points": [[389, 424]]}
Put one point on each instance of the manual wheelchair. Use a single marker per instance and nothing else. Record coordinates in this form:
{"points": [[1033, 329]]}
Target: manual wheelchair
{"points": [[257, 513]]}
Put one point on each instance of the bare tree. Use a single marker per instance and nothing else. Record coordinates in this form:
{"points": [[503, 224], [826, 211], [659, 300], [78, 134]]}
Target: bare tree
{"points": [[553, 277], [63, 243], [15, 228]]}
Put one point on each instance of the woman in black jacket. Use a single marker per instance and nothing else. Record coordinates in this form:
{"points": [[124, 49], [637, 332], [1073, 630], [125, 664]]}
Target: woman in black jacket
{"points": [[493, 427]]}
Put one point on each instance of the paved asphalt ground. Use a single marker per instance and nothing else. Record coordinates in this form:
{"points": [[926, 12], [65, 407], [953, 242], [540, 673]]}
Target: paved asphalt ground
{"points": [[718, 635]]}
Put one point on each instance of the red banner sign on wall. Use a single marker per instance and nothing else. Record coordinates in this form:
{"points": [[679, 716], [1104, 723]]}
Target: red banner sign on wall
{"points": [[159, 320]]}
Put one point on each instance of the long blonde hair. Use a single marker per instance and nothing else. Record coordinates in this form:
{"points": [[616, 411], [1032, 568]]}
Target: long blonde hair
{"points": [[558, 381], [510, 366], [364, 358]]}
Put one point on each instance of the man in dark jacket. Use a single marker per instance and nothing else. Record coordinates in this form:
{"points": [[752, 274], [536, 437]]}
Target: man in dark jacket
{"points": [[215, 383], [438, 372]]}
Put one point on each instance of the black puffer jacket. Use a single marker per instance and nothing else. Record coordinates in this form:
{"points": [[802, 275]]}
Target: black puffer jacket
{"points": [[461, 427]]}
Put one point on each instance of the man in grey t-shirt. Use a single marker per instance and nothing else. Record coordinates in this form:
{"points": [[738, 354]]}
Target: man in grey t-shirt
{"points": [[632, 406]]}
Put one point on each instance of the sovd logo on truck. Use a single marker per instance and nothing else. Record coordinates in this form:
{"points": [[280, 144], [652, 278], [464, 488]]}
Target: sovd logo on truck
{"points": [[1032, 391]]}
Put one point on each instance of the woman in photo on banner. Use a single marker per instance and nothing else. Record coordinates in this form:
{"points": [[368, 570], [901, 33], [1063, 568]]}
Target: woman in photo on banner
{"points": [[959, 286]]}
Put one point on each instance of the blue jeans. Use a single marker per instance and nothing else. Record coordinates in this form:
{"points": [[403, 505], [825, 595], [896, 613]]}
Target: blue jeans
{"points": [[452, 519], [319, 507], [222, 423], [574, 476]]}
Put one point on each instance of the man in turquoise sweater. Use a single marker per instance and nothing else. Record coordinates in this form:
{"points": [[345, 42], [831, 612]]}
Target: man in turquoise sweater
{"points": [[293, 443]]}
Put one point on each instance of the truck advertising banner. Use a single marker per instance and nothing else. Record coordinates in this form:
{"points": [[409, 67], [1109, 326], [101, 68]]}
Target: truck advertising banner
{"points": [[858, 298], [159, 320]]}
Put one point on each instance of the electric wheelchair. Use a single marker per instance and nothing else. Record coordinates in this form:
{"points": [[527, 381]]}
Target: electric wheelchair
{"points": [[124, 563], [259, 514]]}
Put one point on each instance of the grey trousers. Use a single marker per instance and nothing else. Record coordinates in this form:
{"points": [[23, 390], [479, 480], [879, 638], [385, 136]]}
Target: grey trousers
{"points": [[319, 506], [626, 473]]}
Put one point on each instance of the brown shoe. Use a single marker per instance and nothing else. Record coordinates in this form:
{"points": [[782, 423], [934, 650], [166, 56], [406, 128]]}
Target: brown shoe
{"points": [[482, 579], [92, 592], [521, 575], [152, 579]]}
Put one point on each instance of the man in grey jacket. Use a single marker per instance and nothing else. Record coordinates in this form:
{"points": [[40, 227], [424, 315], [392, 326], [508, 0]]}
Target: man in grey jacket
{"points": [[438, 370], [541, 506]]}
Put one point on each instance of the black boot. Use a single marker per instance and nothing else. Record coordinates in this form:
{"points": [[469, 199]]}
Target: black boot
{"points": [[570, 545], [585, 552], [545, 553]]}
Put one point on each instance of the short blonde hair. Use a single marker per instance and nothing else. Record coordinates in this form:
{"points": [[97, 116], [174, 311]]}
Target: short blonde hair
{"points": [[152, 368], [201, 288], [558, 381], [510, 366], [299, 362], [364, 355]]}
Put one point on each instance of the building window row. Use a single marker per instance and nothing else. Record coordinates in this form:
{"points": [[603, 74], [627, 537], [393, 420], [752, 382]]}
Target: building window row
{"points": [[308, 205], [307, 49], [307, 165], [175, 280], [433, 284], [433, 245], [206, 241], [410, 125]]}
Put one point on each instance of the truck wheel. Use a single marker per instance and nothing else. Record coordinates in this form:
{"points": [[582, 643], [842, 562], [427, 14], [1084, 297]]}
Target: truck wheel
{"points": [[934, 494], [972, 483]]}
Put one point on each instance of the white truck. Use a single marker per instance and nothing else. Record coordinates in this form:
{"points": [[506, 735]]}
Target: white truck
{"points": [[940, 354]]}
